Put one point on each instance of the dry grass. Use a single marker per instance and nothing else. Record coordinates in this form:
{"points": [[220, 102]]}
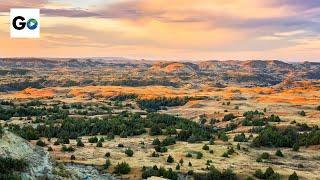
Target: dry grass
{"points": [[285, 103], [242, 162]]}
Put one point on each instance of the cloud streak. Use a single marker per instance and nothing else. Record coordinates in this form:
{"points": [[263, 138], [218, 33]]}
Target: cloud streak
{"points": [[177, 28], [77, 13], [5, 5]]}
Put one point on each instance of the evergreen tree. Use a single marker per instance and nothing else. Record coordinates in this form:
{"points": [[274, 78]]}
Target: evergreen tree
{"points": [[170, 159], [294, 176], [80, 143], [122, 168]]}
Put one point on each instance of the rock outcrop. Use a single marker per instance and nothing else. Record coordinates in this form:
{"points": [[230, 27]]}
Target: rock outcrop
{"points": [[40, 164]]}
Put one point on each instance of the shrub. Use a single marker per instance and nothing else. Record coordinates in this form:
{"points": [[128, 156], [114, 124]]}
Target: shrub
{"points": [[302, 113], [199, 155], [93, 139], [80, 143], [259, 174], [268, 174], [188, 155], [129, 152], [64, 140], [120, 145], [50, 148], [296, 147], [56, 143], [230, 151], [216, 174], [178, 167], [110, 137], [228, 174], [161, 149], [318, 108], [203, 119], [294, 176], [107, 154], [9, 165], [192, 139], [1, 131], [99, 144], [225, 154], [168, 141], [213, 121], [231, 126], [205, 147], [152, 105], [259, 159], [156, 141], [67, 149], [238, 146], [101, 139], [107, 164], [170, 159], [122, 168], [189, 164], [304, 127], [273, 118], [223, 136], [211, 141], [73, 157], [181, 161], [279, 153], [123, 134], [240, 138], [154, 154], [40, 143], [211, 151], [208, 162], [274, 176], [155, 130], [171, 130], [265, 155], [161, 172], [228, 117]]}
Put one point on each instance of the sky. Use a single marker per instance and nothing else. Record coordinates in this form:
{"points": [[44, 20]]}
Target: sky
{"points": [[287, 30]]}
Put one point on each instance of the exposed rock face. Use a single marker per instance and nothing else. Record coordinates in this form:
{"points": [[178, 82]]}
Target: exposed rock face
{"points": [[38, 160], [87, 172], [40, 165]]}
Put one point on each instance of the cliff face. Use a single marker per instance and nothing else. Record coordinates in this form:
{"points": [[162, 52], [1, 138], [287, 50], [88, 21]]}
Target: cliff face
{"points": [[40, 165]]}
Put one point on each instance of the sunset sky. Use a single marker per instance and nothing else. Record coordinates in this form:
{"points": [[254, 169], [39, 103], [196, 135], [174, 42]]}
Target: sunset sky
{"points": [[169, 29]]}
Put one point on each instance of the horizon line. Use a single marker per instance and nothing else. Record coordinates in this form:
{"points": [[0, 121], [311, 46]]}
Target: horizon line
{"points": [[160, 59]]}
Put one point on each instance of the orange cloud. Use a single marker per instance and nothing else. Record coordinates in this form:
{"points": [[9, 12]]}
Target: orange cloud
{"points": [[173, 29]]}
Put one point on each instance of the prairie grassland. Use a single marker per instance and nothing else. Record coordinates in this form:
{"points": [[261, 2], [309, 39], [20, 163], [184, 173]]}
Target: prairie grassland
{"points": [[214, 103], [243, 161]]}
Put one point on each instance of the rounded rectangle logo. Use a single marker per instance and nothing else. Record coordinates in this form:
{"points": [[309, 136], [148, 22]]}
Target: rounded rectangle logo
{"points": [[24, 23]]}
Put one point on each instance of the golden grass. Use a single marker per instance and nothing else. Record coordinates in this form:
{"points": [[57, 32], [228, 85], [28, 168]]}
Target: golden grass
{"points": [[32, 94], [242, 162]]}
